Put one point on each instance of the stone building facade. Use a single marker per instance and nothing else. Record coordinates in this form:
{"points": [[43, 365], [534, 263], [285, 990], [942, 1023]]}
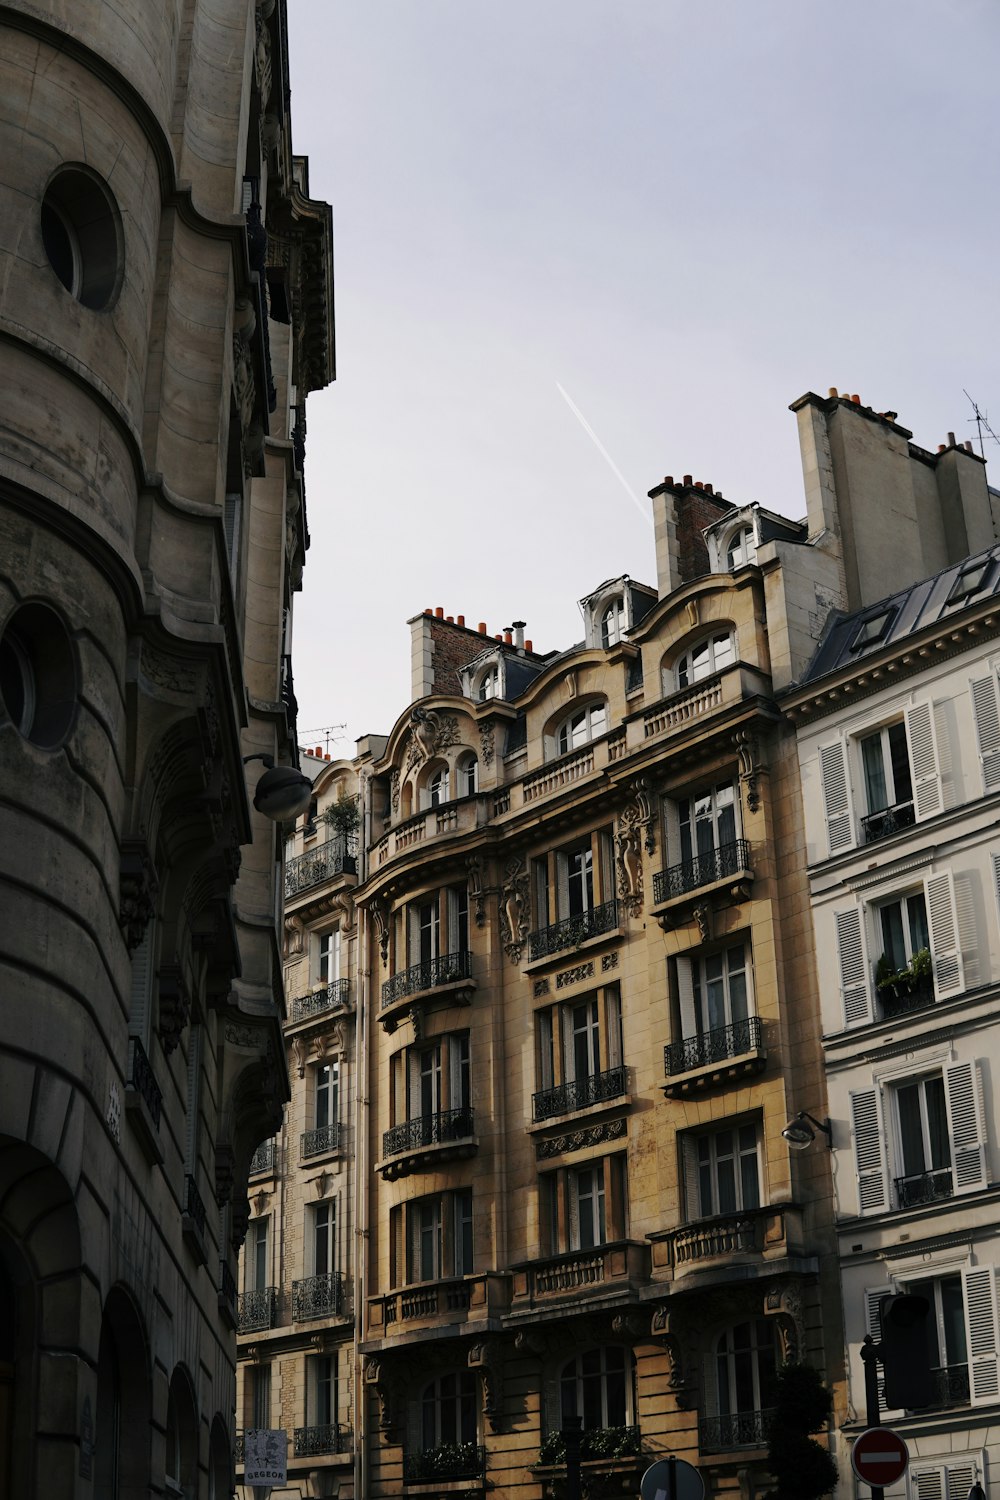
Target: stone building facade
{"points": [[165, 309]]}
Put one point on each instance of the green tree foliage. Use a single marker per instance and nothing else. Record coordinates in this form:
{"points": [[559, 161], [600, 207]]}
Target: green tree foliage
{"points": [[802, 1468]]}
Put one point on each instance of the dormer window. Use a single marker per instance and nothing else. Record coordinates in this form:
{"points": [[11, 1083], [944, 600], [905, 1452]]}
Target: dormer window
{"points": [[969, 581], [467, 776], [581, 727], [437, 787], [487, 684], [612, 622], [711, 655], [742, 549]]}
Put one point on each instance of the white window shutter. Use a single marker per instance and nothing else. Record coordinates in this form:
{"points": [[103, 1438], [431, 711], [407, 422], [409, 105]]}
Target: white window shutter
{"points": [[928, 1483], [980, 1296], [996, 876], [966, 1126], [923, 761], [942, 919], [869, 1152], [692, 1192], [685, 996], [854, 977], [873, 1325], [984, 708], [836, 796], [959, 1479]]}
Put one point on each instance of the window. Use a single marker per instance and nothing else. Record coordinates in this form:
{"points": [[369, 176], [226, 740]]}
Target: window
{"points": [[698, 828], [439, 1236], [437, 787], [439, 925], [321, 1390], [438, 1077], [585, 1207], [487, 684], [969, 581], [903, 927], [326, 1095], [468, 776], [576, 868], [947, 1345], [260, 1395], [714, 991], [613, 622], [38, 675], [745, 1372], [81, 233], [596, 1386], [962, 1333], [742, 549], [448, 1410], [897, 766], [322, 1224], [581, 727], [722, 1171], [257, 1261], [588, 1223], [924, 1145], [329, 957], [711, 655], [874, 628], [579, 1058]]}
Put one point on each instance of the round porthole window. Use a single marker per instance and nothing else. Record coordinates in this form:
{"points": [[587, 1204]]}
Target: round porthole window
{"points": [[38, 678], [82, 235]]}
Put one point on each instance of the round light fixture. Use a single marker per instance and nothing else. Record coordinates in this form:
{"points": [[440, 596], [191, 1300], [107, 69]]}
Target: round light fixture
{"points": [[282, 792]]}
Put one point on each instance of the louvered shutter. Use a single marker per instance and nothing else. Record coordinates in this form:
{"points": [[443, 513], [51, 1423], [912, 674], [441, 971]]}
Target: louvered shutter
{"points": [[928, 1483], [692, 1192], [942, 919], [685, 997], [869, 1154], [996, 876], [959, 1479], [923, 761], [854, 979], [836, 796], [984, 708], [873, 1325], [966, 1126], [980, 1296], [231, 515]]}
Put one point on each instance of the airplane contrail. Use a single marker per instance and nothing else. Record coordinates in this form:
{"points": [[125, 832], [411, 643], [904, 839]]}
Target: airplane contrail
{"points": [[630, 492]]}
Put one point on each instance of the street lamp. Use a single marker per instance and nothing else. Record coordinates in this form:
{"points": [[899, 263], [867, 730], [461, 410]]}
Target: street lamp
{"points": [[799, 1132], [282, 792], [977, 1492]]}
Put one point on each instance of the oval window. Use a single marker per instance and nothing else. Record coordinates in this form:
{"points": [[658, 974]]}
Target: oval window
{"points": [[82, 235], [38, 677]]}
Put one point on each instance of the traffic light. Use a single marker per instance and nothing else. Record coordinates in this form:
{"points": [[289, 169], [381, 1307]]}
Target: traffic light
{"points": [[905, 1351]]}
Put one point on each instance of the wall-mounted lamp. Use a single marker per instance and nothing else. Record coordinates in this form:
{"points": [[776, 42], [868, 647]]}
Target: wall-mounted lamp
{"points": [[282, 792], [799, 1132], [977, 1492]]}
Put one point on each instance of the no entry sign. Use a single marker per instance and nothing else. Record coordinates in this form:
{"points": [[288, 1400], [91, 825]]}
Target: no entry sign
{"points": [[879, 1456]]}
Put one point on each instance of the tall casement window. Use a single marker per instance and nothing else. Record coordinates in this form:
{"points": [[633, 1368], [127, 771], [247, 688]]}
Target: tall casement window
{"points": [[722, 1170], [962, 1334], [467, 776], [885, 763], [260, 1395], [448, 1410], [745, 1363], [257, 1260], [613, 622], [714, 992], [438, 786], [321, 1390], [579, 1053], [597, 1387], [321, 1226], [572, 882], [326, 1095], [431, 1081], [705, 822], [742, 549], [920, 1138], [431, 1238], [582, 726], [714, 654], [892, 771], [585, 1207], [328, 956], [438, 924]]}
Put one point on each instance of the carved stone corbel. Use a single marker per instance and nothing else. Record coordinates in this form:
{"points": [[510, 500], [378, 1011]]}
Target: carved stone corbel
{"points": [[514, 909], [629, 862], [225, 1173], [174, 1007], [783, 1303], [672, 1335], [137, 890], [752, 766], [380, 916], [299, 1053], [474, 865], [386, 1388], [293, 936], [486, 737], [703, 915], [416, 1015], [240, 1223], [487, 1357]]}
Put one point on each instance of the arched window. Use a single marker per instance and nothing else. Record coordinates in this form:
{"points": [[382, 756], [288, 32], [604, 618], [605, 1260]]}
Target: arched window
{"points": [[582, 726], [713, 654], [219, 1479], [745, 1371], [596, 1386], [613, 622], [181, 1439], [468, 776], [742, 549], [437, 787], [486, 684], [448, 1410], [121, 1429]]}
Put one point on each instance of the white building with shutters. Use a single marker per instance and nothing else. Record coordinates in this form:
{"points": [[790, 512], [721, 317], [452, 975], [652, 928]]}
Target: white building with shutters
{"points": [[899, 749]]}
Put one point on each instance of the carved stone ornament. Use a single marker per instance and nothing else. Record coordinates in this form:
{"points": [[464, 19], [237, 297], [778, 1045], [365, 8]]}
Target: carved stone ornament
{"points": [[293, 936], [486, 1356], [540, 988], [394, 789], [225, 1173], [702, 914], [474, 865], [323, 1182], [783, 1303], [238, 1035], [387, 1391], [578, 1140], [431, 733], [137, 889], [752, 767], [514, 909], [113, 1112], [486, 734], [175, 1007], [629, 864], [416, 1015], [673, 1335], [262, 58], [380, 916], [240, 1224], [244, 388], [300, 1052], [693, 608]]}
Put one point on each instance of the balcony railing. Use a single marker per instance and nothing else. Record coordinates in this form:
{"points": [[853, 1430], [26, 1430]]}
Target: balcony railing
{"points": [[704, 869], [743, 1429], [318, 1296], [256, 1310], [329, 1437], [338, 856], [332, 997], [610, 1444], [595, 1089], [428, 1130], [888, 820], [427, 976], [713, 1046], [263, 1158], [446, 1461], [194, 1204], [572, 931], [142, 1079], [315, 1142], [904, 995], [952, 1383], [924, 1187]]}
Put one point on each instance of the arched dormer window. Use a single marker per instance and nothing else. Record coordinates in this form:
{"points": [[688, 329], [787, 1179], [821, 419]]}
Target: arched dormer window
{"points": [[487, 684], [713, 654], [612, 621], [742, 549], [582, 726], [438, 787], [467, 776]]}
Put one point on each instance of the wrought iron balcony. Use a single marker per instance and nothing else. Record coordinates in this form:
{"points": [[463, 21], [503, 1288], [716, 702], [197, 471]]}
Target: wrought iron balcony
{"points": [[263, 1158], [597, 1088], [610, 1444], [329, 1437], [743, 1429], [194, 1204], [952, 1382], [338, 856], [888, 820], [718, 864], [428, 1130], [572, 931], [142, 1079], [924, 1187], [256, 1310], [446, 1461], [903, 995], [318, 1296], [446, 969], [332, 997], [315, 1142], [712, 1046]]}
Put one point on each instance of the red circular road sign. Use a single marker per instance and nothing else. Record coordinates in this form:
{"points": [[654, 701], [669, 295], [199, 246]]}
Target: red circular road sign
{"points": [[879, 1456]]}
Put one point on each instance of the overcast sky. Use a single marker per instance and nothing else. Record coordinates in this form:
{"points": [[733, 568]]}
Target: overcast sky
{"points": [[685, 213]]}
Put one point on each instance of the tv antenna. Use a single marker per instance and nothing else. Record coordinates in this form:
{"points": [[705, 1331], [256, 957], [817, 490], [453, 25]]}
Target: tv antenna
{"points": [[979, 417], [308, 737]]}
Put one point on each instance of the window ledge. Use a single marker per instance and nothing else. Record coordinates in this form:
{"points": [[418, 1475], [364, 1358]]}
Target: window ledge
{"points": [[716, 1074], [585, 1112], [674, 911], [566, 955], [426, 1158]]}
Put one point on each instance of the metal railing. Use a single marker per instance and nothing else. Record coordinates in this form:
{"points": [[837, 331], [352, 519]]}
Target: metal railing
{"points": [[952, 1385], [888, 820], [328, 1437], [924, 1187], [263, 1158], [712, 1046], [325, 1138], [612, 1444], [194, 1204], [427, 976], [332, 997], [704, 869], [338, 856], [743, 1429], [256, 1310], [142, 1079], [428, 1130], [906, 995], [318, 1296], [594, 1089], [572, 931], [446, 1461]]}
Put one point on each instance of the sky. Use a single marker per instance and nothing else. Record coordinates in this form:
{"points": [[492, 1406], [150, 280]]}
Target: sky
{"points": [[583, 244]]}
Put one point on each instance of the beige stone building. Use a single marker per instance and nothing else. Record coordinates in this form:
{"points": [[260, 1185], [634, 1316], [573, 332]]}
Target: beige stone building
{"points": [[165, 309]]}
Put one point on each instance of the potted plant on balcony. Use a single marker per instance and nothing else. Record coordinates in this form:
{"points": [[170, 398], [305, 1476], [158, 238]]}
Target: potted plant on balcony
{"points": [[343, 817], [922, 972]]}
